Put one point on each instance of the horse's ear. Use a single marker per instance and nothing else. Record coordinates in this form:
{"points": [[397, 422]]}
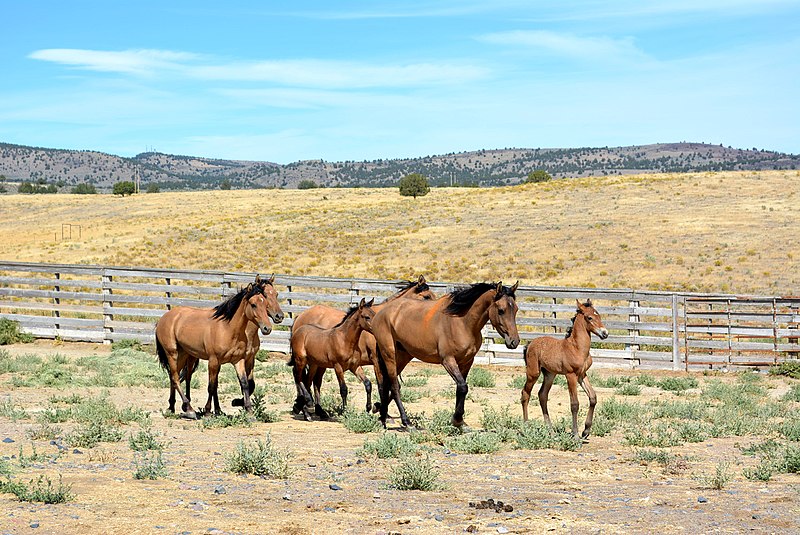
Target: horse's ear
{"points": [[271, 279], [362, 303], [370, 302], [421, 280], [588, 303], [514, 288], [258, 280], [578, 301]]}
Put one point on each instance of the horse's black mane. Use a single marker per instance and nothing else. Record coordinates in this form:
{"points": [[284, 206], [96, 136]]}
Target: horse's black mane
{"points": [[352, 310], [403, 286], [462, 299], [227, 309]]}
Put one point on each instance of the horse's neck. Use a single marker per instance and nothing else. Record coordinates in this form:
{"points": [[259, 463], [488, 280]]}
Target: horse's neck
{"points": [[239, 321], [580, 335], [349, 331], [392, 297], [478, 314]]}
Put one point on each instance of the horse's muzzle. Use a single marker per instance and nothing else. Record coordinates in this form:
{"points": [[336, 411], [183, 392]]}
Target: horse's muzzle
{"points": [[511, 343], [277, 318], [603, 334], [265, 329]]}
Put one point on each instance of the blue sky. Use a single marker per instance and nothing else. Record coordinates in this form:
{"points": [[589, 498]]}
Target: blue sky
{"points": [[282, 82]]}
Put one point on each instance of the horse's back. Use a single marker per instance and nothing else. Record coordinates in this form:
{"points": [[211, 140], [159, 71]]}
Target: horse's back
{"points": [[320, 315], [185, 327]]}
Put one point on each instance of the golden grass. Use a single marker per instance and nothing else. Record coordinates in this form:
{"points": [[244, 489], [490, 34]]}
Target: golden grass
{"points": [[720, 232]]}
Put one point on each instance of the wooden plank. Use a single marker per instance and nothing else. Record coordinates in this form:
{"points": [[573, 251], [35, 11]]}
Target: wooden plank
{"points": [[50, 307], [50, 294], [71, 283]]}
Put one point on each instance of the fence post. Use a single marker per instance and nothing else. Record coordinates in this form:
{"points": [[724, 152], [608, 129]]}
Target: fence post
{"points": [[675, 337], [56, 302], [108, 305], [633, 333]]}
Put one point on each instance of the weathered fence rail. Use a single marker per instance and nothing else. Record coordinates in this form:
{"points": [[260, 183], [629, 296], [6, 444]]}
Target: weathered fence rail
{"points": [[647, 329]]}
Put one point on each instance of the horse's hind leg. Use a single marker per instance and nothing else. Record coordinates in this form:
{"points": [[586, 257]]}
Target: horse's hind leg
{"points": [[241, 372], [303, 395], [462, 389], [531, 376], [587, 387], [213, 379], [359, 372], [319, 375], [574, 403], [544, 392]]}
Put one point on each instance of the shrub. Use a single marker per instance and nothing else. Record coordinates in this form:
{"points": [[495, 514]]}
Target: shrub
{"points": [[91, 434], [10, 333], [125, 187], [789, 368], [11, 411], [240, 419], [503, 423], [538, 175], [84, 189], [414, 473], [307, 184], [414, 185], [718, 479], [358, 421], [477, 442], [145, 440], [41, 490], [793, 394], [149, 465], [260, 410], [389, 445], [153, 187], [629, 389], [480, 377], [43, 432], [262, 459], [677, 384]]}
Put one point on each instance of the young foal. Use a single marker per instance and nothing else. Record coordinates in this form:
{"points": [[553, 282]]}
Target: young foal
{"points": [[328, 348], [364, 354], [568, 356], [219, 335]]}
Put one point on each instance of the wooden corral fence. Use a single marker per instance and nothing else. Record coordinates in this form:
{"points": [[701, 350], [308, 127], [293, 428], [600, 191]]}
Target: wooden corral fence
{"points": [[647, 329]]}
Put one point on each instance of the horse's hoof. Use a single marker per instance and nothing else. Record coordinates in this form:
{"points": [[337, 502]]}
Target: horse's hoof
{"points": [[376, 408], [238, 402], [189, 415], [322, 413]]}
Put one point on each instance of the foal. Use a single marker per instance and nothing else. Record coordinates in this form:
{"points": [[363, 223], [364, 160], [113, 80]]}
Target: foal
{"points": [[328, 348], [568, 356]]}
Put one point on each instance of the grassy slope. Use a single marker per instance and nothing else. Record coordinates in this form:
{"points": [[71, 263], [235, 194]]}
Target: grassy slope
{"points": [[730, 231]]}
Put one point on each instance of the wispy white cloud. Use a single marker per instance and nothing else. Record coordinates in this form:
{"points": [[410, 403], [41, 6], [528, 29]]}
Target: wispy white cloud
{"points": [[139, 62], [569, 45], [287, 72]]}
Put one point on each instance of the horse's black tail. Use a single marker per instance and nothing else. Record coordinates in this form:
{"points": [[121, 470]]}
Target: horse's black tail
{"points": [[162, 355], [182, 375]]}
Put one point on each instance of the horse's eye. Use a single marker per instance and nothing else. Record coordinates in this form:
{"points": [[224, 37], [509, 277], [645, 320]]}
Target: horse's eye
{"points": [[501, 311], [589, 318]]}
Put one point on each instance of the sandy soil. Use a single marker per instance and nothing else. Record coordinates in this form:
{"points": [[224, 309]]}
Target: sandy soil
{"points": [[598, 489]]}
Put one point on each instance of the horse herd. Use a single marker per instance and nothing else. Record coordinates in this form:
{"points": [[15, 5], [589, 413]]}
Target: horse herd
{"points": [[411, 324]]}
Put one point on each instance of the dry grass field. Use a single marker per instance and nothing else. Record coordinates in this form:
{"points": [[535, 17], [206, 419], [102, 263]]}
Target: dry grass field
{"points": [[721, 232], [669, 453]]}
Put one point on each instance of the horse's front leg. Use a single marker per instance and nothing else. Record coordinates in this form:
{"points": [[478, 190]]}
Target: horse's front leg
{"points": [[241, 372], [587, 387], [390, 383], [451, 365], [319, 375], [544, 392], [359, 372], [337, 368], [574, 403], [249, 369], [213, 379]]}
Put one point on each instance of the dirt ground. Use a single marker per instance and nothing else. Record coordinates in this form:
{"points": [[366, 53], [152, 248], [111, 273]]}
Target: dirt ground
{"points": [[597, 489]]}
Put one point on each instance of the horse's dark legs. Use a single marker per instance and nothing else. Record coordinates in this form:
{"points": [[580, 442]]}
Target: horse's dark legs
{"points": [[359, 372], [337, 368], [213, 379], [302, 392], [462, 389], [544, 392], [241, 372], [188, 370], [319, 375], [186, 406], [574, 403], [587, 387], [249, 367], [391, 383]]}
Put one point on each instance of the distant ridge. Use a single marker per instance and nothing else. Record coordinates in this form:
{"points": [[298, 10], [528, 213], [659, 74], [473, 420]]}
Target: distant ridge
{"points": [[66, 168]]}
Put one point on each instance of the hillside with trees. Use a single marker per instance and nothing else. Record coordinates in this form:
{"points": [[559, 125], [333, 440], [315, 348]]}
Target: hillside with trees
{"points": [[66, 169]]}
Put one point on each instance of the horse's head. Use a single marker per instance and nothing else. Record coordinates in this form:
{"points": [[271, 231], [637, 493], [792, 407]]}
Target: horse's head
{"points": [[594, 323], [365, 313], [417, 289], [257, 309], [503, 314], [267, 289]]}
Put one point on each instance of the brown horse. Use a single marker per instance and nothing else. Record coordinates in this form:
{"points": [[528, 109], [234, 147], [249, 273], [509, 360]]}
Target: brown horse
{"points": [[446, 331], [568, 356], [328, 348], [365, 354], [220, 334]]}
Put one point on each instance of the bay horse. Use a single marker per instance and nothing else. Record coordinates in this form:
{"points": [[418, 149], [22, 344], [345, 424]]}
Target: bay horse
{"points": [[328, 348], [568, 356], [446, 331], [219, 335], [364, 354]]}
